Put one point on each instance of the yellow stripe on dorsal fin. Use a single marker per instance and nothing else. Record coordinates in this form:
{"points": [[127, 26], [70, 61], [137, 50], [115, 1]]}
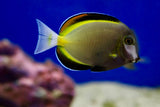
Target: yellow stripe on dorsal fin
{"points": [[84, 17], [72, 27], [70, 21]]}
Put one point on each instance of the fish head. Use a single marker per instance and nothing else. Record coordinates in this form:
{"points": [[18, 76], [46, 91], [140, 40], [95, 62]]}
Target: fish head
{"points": [[130, 48]]}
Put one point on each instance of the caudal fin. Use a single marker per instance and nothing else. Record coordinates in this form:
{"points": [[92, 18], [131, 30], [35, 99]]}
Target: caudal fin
{"points": [[46, 38]]}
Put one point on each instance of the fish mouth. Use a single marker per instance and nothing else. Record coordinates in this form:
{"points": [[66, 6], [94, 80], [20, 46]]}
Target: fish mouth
{"points": [[135, 60]]}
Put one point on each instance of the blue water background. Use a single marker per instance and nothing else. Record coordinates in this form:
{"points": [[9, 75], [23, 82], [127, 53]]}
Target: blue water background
{"points": [[17, 23]]}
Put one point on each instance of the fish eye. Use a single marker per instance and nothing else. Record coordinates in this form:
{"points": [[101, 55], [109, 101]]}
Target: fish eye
{"points": [[128, 40]]}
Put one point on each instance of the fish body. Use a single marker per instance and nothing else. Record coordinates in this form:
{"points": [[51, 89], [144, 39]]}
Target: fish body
{"points": [[90, 41]]}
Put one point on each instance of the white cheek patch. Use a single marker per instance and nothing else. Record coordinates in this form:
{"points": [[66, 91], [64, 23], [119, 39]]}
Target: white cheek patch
{"points": [[131, 50]]}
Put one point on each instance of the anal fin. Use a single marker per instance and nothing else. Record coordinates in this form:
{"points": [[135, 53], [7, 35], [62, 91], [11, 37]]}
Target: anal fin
{"points": [[98, 69], [69, 63]]}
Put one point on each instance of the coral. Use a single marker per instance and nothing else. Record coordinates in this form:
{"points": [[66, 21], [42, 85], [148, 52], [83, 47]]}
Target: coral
{"points": [[26, 83]]}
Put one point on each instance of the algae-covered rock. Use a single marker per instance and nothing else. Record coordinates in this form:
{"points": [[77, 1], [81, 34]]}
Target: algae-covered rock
{"points": [[108, 94], [27, 83]]}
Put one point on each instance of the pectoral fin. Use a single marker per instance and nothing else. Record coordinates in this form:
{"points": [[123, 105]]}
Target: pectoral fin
{"points": [[130, 66]]}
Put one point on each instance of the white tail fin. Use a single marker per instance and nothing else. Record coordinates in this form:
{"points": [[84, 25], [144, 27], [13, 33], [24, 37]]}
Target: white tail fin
{"points": [[47, 38]]}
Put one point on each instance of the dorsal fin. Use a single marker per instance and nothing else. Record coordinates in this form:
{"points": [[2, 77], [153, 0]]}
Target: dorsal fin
{"points": [[85, 16]]}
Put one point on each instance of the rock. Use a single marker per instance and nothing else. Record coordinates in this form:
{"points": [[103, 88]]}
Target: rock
{"points": [[26, 83], [111, 94]]}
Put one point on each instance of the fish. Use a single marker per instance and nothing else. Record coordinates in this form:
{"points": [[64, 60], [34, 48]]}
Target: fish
{"points": [[94, 41]]}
